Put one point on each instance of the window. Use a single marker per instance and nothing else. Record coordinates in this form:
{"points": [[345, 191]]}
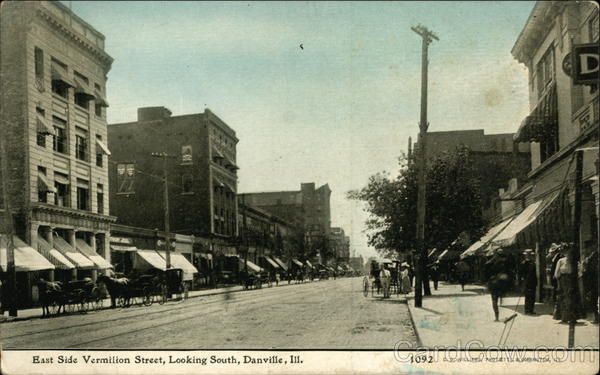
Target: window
{"points": [[98, 109], [82, 101], [82, 195], [187, 183], [100, 198], [59, 86], [61, 184], [545, 71], [42, 190], [41, 132], [125, 178], [99, 155], [39, 68], [59, 142], [81, 145]]}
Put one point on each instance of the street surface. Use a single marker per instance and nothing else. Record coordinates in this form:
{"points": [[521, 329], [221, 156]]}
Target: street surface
{"points": [[320, 314]]}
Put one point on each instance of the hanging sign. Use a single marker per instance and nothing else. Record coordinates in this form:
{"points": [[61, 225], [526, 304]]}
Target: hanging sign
{"points": [[585, 64]]}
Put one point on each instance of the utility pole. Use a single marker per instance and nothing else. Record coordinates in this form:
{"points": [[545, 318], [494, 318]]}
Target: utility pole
{"points": [[427, 37], [574, 296], [11, 287], [165, 156]]}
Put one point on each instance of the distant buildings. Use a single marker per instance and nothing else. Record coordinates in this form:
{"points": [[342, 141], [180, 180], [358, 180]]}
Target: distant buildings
{"points": [[307, 208], [340, 243], [201, 171], [53, 98]]}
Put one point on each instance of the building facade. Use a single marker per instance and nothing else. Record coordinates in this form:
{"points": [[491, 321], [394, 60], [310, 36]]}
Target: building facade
{"points": [[200, 165], [308, 208], [53, 113], [340, 244], [563, 119]]}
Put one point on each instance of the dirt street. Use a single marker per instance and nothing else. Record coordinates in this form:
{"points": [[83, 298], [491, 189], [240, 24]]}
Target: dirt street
{"points": [[321, 314]]}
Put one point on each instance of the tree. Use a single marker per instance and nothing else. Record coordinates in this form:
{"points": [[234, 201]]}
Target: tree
{"points": [[453, 203]]}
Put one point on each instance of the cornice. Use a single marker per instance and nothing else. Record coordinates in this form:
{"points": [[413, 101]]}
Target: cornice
{"points": [[73, 213], [76, 37]]}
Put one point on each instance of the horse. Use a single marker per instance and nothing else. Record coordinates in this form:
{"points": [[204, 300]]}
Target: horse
{"points": [[116, 288], [50, 292]]}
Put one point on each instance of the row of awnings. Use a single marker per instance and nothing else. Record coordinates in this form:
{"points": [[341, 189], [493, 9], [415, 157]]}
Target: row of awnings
{"points": [[59, 74], [219, 155], [513, 230], [60, 255]]}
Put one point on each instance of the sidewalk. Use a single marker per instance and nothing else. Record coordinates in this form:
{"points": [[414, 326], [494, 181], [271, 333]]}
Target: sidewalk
{"points": [[37, 311], [451, 317]]}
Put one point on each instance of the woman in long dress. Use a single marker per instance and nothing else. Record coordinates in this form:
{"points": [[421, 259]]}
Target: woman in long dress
{"points": [[405, 284]]}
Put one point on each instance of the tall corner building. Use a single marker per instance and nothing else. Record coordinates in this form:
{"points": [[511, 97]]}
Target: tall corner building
{"points": [[53, 117]]}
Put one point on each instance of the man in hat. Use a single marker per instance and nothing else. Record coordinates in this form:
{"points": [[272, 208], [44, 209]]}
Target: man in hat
{"points": [[434, 273], [529, 279], [496, 270]]}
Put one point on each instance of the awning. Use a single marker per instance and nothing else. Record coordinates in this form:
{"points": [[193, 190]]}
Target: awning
{"points": [[100, 99], [280, 262], [477, 247], [229, 187], [509, 234], [73, 255], [81, 89], [217, 154], [251, 266], [61, 179], [149, 259], [54, 256], [542, 122], [432, 252], [229, 162], [26, 258], [103, 147], [308, 264], [42, 128], [44, 185], [58, 74], [179, 261], [206, 255], [218, 182], [449, 254], [115, 247], [297, 262], [272, 262], [87, 250], [340, 269]]}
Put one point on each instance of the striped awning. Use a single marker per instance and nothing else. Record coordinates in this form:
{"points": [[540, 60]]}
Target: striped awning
{"points": [[281, 263], [272, 262], [54, 256], [74, 256], [44, 185], [82, 89], [87, 250], [27, 259], [251, 266], [42, 127], [103, 147], [59, 74], [146, 259], [297, 262]]}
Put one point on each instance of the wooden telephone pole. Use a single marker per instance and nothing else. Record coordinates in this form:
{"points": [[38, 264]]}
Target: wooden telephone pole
{"points": [[427, 37], [11, 280], [164, 156]]}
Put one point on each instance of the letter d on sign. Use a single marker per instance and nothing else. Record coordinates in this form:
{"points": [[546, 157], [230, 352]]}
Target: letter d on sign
{"points": [[588, 63]]}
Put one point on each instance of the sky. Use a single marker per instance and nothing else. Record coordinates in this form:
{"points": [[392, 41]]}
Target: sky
{"points": [[324, 92]]}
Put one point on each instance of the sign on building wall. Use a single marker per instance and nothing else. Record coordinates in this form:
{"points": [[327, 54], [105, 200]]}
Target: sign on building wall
{"points": [[585, 64], [186, 154], [125, 178]]}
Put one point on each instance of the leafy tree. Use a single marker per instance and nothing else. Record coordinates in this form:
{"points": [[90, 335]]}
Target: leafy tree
{"points": [[453, 203]]}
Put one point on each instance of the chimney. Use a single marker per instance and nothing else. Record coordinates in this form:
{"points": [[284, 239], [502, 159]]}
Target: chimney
{"points": [[153, 113]]}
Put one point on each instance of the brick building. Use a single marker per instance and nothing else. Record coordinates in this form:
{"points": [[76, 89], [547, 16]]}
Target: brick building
{"points": [[53, 114], [307, 208], [201, 170], [498, 158]]}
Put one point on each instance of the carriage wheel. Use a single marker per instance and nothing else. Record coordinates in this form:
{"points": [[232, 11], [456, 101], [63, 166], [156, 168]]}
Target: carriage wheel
{"points": [[121, 301], [365, 287], [98, 303], [147, 298]]}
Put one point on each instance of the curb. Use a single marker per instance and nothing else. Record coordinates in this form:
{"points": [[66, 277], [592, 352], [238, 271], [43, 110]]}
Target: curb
{"points": [[412, 320]]}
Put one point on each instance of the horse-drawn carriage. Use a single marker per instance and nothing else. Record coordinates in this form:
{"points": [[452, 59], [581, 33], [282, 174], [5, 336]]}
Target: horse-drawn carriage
{"points": [[372, 281], [76, 295]]}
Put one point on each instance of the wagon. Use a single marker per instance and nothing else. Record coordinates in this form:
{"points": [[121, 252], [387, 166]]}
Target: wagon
{"points": [[80, 295], [371, 281]]}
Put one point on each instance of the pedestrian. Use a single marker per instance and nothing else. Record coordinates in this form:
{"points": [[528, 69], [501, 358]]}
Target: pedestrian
{"points": [[384, 277], [411, 273], [496, 269], [529, 280], [434, 273], [565, 310], [554, 255], [462, 270], [405, 282]]}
